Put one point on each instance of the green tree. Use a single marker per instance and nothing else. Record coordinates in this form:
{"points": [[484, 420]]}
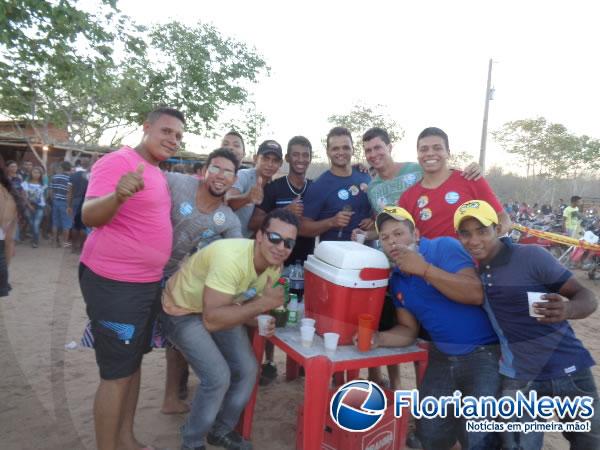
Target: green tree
{"points": [[363, 117]]}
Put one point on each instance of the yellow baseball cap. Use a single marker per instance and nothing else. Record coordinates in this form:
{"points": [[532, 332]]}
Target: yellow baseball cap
{"points": [[396, 213], [477, 209]]}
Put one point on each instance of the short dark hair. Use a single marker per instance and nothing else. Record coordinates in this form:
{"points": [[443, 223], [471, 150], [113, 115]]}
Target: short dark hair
{"points": [[9, 162], [155, 114], [338, 131], [433, 131], [65, 165], [299, 140], [238, 135], [281, 214], [376, 132], [223, 153], [575, 198], [197, 166]]}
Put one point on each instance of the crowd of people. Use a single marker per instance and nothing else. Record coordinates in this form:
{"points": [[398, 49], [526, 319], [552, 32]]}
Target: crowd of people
{"points": [[199, 254]]}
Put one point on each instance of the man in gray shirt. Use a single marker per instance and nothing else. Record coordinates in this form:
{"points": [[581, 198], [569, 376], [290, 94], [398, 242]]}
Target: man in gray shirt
{"points": [[247, 192], [199, 217]]}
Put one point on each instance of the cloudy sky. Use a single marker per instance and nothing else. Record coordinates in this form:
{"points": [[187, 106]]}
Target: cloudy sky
{"points": [[426, 60]]}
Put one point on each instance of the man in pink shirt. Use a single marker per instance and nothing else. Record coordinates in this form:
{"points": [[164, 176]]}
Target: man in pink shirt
{"points": [[128, 204]]}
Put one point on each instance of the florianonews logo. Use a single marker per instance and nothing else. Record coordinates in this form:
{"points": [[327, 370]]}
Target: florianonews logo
{"points": [[358, 406]]}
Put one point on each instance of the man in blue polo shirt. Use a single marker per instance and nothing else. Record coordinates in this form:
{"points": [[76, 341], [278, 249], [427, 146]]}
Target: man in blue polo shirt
{"points": [[434, 285], [337, 202], [538, 353]]}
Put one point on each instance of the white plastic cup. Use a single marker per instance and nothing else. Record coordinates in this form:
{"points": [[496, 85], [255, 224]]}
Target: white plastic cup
{"points": [[360, 238], [307, 322], [263, 323], [307, 334], [331, 341], [535, 297]]}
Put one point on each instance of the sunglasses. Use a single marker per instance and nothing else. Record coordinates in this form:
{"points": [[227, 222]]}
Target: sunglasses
{"points": [[276, 238], [229, 174]]}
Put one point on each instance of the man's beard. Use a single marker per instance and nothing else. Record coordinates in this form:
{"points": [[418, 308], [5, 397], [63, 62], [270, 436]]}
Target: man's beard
{"points": [[216, 194]]}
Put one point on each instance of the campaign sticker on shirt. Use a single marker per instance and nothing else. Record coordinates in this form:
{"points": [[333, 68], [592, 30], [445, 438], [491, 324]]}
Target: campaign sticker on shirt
{"points": [[186, 208], [423, 201], [364, 187], [219, 218], [409, 179], [343, 194], [451, 197], [426, 214], [354, 190], [207, 234]]}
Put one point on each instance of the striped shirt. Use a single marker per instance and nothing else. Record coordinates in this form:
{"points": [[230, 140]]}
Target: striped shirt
{"points": [[60, 186]]}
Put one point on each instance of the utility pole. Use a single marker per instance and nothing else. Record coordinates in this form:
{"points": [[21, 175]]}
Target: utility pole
{"points": [[488, 97]]}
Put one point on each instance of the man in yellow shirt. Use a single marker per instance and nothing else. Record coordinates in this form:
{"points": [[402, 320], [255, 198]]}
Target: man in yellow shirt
{"points": [[205, 306], [572, 217]]}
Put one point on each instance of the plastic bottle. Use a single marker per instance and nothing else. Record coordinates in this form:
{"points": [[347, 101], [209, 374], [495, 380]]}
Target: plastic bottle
{"points": [[292, 319], [297, 279], [280, 312]]}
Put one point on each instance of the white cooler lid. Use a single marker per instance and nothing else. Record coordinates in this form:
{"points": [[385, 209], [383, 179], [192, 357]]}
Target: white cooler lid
{"points": [[350, 255]]}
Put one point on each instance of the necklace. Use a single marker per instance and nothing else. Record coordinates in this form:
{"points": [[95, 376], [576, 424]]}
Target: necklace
{"points": [[292, 189]]}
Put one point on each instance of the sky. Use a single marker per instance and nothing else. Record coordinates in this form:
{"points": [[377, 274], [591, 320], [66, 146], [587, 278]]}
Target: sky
{"points": [[426, 61]]}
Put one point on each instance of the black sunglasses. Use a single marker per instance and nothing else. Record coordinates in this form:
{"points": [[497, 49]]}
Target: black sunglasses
{"points": [[276, 238]]}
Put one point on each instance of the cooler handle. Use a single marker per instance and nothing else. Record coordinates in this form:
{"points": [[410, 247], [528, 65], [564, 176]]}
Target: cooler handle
{"points": [[369, 273]]}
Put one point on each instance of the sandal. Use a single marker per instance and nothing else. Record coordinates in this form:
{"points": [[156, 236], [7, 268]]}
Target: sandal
{"points": [[67, 244]]}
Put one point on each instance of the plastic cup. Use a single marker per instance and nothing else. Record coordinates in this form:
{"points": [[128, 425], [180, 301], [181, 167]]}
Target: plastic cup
{"points": [[307, 334], [366, 323], [307, 322], [263, 323], [535, 297], [331, 341], [360, 238]]}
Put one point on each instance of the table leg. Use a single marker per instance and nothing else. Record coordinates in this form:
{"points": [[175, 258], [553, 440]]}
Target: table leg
{"points": [[292, 369], [244, 426], [318, 371]]}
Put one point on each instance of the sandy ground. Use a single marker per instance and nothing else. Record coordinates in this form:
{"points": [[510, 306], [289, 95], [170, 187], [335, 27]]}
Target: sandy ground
{"points": [[46, 391]]}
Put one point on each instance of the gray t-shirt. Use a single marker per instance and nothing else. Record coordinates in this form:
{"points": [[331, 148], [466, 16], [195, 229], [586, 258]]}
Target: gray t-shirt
{"points": [[246, 178], [192, 229]]}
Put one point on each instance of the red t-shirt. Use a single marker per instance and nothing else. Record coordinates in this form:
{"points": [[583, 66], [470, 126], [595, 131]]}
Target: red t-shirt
{"points": [[433, 209]]}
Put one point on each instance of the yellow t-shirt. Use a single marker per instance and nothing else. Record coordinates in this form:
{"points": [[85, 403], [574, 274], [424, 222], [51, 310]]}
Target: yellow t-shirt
{"points": [[226, 265], [571, 220]]}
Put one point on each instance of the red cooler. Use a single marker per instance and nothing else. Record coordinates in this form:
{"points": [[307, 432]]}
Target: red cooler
{"points": [[341, 281]]}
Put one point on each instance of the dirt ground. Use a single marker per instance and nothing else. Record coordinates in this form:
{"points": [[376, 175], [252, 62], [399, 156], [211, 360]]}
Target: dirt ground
{"points": [[46, 390]]}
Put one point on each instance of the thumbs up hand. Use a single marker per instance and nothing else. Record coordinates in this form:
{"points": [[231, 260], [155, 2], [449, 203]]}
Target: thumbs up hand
{"points": [[296, 207], [130, 183], [256, 194]]}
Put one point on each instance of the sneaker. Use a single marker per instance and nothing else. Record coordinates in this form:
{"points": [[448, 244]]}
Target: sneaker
{"points": [[268, 373], [230, 441]]}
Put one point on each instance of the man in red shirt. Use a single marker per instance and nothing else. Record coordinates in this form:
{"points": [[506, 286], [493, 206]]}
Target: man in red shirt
{"points": [[433, 201]]}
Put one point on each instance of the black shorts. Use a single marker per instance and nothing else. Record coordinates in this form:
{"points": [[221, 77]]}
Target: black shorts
{"points": [[77, 207], [122, 316], [4, 286]]}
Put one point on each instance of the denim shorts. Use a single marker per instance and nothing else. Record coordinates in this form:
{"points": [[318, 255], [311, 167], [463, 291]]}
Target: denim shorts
{"points": [[60, 219]]}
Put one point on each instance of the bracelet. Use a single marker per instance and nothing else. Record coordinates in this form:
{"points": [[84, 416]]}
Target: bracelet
{"points": [[426, 270]]}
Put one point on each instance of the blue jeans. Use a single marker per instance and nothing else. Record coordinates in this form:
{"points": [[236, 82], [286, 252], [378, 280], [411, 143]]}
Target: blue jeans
{"points": [[475, 374], [34, 218], [227, 368], [577, 383]]}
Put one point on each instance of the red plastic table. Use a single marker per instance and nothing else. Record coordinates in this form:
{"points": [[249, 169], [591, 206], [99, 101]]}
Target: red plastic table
{"points": [[319, 367]]}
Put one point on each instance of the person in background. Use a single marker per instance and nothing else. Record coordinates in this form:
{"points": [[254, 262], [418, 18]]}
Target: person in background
{"points": [[234, 142], [572, 217], [60, 185], [35, 202], [79, 184], [248, 190], [12, 172], [8, 223], [197, 169], [25, 170]]}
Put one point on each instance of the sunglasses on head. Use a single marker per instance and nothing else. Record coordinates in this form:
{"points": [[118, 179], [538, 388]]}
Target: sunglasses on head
{"points": [[276, 238]]}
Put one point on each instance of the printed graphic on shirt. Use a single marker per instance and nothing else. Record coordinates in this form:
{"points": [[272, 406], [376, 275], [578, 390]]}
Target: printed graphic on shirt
{"points": [[426, 214], [451, 197], [343, 194], [409, 179], [423, 201]]}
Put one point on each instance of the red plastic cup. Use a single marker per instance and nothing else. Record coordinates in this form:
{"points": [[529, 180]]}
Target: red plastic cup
{"points": [[366, 324]]}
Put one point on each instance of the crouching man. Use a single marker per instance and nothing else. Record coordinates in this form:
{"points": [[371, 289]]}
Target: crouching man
{"points": [[206, 304], [434, 285], [539, 353]]}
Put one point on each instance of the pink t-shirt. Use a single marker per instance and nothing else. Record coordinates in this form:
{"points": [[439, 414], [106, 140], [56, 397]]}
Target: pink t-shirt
{"points": [[136, 244]]}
